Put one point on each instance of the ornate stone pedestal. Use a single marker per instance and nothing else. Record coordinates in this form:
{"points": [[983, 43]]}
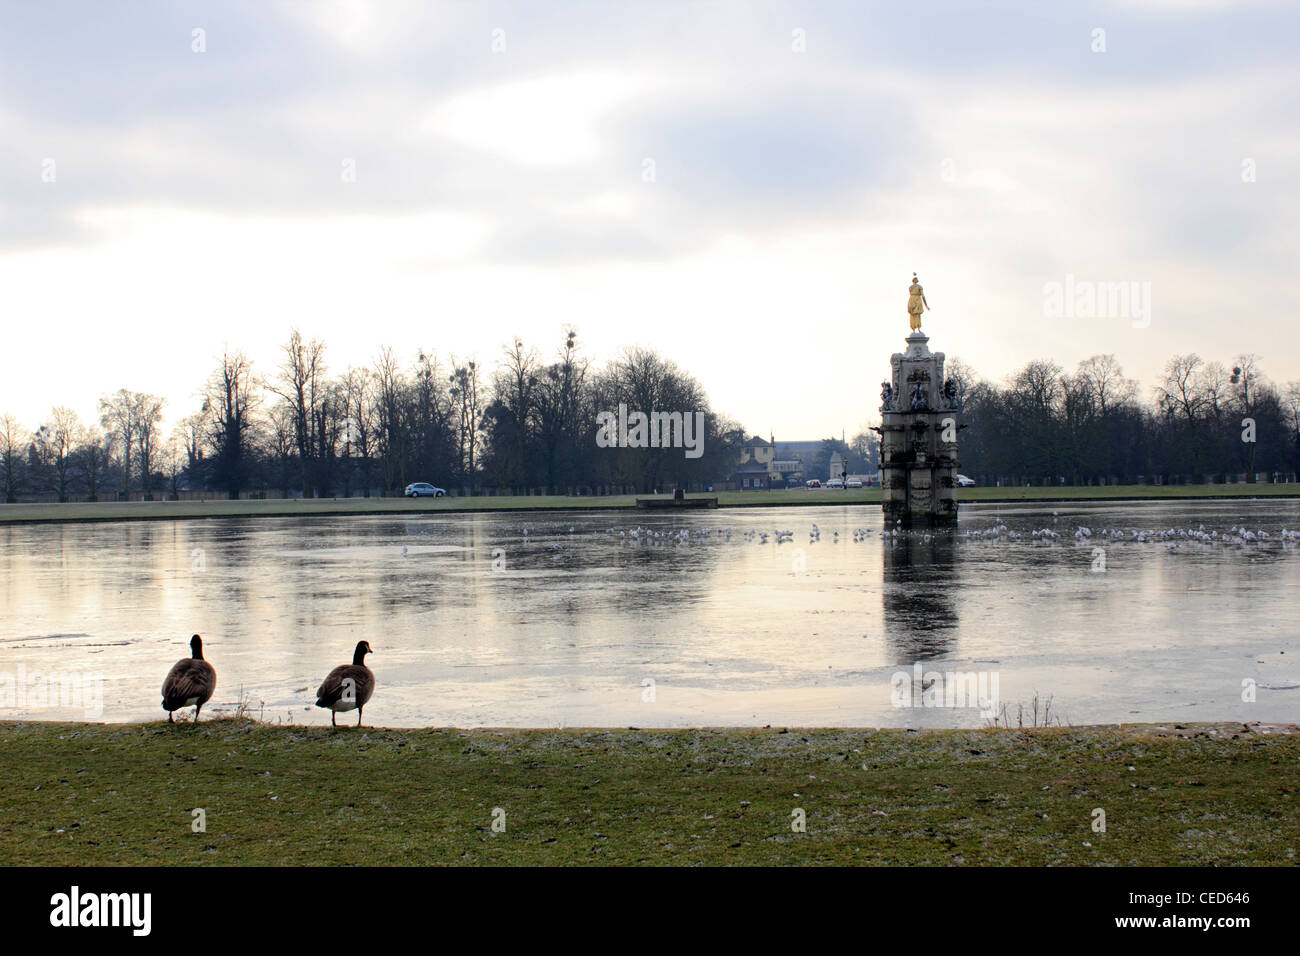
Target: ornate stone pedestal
{"points": [[918, 439]]}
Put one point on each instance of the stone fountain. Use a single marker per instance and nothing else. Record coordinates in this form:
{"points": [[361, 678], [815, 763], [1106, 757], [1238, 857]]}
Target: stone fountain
{"points": [[918, 431]]}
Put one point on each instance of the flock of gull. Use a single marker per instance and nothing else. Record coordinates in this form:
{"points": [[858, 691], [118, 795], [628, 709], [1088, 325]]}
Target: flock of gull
{"points": [[999, 531], [684, 535], [1173, 538]]}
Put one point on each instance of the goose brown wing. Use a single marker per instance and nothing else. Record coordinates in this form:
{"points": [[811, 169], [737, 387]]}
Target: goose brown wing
{"points": [[365, 683], [332, 689], [189, 678]]}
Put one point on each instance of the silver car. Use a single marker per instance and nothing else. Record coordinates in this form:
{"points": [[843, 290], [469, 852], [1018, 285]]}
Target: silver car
{"points": [[422, 489]]}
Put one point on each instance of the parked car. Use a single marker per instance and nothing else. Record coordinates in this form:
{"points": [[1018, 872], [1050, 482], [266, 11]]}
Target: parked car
{"points": [[965, 482], [835, 483], [853, 483], [813, 483], [422, 489]]}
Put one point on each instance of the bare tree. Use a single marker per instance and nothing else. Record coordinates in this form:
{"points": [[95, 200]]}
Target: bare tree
{"points": [[58, 438], [280, 443], [173, 460], [229, 403], [1215, 388], [1178, 393], [866, 446], [359, 426], [392, 434], [301, 385], [328, 424], [963, 379], [647, 382], [1079, 411], [464, 392], [191, 432], [95, 455], [432, 421], [562, 407], [1252, 386], [117, 414], [148, 421], [1291, 405], [1249, 380], [1035, 402], [1039, 386], [1181, 398], [511, 417], [1105, 379], [13, 440]]}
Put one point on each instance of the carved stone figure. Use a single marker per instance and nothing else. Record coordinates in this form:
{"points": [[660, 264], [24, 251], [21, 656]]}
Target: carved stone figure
{"points": [[919, 400], [950, 393], [886, 395]]}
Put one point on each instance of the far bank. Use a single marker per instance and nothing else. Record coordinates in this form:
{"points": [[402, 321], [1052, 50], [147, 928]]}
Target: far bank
{"points": [[789, 497]]}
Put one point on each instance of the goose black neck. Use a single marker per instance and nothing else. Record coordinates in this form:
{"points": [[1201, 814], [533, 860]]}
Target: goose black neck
{"points": [[196, 647], [359, 655]]}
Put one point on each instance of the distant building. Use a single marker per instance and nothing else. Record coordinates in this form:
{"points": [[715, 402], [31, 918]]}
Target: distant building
{"points": [[789, 469], [756, 470], [837, 466], [783, 463], [753, 476], [756, 449], [805, 451]]}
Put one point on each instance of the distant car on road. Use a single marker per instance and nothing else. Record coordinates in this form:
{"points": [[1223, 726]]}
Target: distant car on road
{"points": [[853, 483], [965, 482], [813, 483], [422, 489], [835, 483]]}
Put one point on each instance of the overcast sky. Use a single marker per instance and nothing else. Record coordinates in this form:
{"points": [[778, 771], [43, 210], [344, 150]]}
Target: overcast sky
{"points": [[746, 187]]}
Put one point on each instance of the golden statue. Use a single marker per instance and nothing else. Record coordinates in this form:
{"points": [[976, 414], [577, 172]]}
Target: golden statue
{"points": [[916, 303]]}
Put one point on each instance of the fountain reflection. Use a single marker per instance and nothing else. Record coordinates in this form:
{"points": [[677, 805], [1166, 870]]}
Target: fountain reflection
{"points": [[919, 594]]}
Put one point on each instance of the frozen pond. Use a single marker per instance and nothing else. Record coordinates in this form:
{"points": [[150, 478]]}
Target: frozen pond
{"points": [[476, 623]]}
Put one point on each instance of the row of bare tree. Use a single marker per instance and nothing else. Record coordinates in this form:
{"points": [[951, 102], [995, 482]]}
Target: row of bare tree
{"points": [[65, 457], [1205, 421], [530, 424]]}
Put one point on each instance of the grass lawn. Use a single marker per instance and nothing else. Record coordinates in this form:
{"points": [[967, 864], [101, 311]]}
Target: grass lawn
{"points": [[124, 794], [218, 508]]}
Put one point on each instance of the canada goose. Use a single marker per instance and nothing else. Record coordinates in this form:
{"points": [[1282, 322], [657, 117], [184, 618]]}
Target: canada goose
{"points": [[348, 685], [190, 682]]}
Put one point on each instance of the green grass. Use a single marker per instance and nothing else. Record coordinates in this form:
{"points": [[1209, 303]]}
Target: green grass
{"points": [[123, 794], [220, 508]]}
